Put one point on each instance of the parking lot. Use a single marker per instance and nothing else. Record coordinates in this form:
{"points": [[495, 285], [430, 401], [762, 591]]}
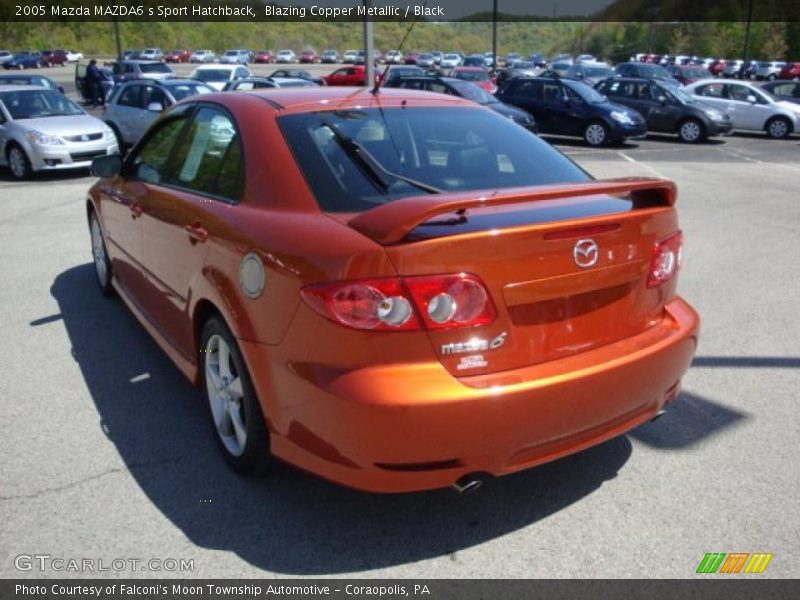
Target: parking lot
{"points": [[108, 452]]}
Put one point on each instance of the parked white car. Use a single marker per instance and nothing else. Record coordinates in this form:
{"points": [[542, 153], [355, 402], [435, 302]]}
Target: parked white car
{"points": [[202, 56], [151, 54], [74, 57], [750, 107], [451, 60], [285, 57], [217, 76]]}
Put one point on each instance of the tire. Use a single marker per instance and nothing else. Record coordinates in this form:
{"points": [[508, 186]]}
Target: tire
{"points": [[772, 77], [691, 131], [18, 162], [102, 265], [778, 128], [596, 133], [236, 415]]}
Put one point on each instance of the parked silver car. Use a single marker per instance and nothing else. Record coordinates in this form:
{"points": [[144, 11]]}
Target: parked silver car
{"points": [[750, 107], [43, 130], [768, 70], [202, 56], [152, 54], [134, 105], [235, 57]]}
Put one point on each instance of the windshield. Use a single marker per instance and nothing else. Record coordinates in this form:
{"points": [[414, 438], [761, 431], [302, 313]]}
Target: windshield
{"points": [[696, 73], [587, 93], [419, 151], [184, 90], [654, 71], [598, 71], [472, 75], [470, 91], [212, 74], [35, 104], [154, 68], [678, 94], [560, 68], [451, 57]]}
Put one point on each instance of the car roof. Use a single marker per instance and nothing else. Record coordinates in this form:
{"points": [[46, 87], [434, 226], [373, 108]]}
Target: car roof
{"points": [[22, 88], [314, 99], [216, 66]]}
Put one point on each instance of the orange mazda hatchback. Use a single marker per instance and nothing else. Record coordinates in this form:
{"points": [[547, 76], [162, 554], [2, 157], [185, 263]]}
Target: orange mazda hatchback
{"points": [[395, 291]]}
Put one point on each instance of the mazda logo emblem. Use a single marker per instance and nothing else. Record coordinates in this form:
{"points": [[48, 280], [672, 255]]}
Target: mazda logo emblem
{"points": [[585, 253]]}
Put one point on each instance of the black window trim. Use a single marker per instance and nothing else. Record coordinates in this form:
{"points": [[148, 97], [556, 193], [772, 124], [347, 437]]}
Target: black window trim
{"points": [[186, 112]]}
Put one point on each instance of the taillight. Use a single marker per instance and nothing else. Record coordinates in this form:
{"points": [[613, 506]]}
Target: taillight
{"points": [[665, 260], [403, 304]]}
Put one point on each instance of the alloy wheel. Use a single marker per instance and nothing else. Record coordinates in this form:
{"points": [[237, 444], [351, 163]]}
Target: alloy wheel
{"points": [[17, 162], [595, 134], [690, 131], [99, 252], [778, 128], [225, 395]]}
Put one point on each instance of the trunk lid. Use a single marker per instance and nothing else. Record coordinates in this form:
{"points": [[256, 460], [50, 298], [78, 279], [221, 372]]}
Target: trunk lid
{"points": [[565, 266]]}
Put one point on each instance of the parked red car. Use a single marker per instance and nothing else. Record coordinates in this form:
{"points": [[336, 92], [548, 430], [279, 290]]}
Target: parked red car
{"points": [[177, 56], [687, 74], [54, 57], [790, 71], [264, 56], [309, 57], [411, 58], [477, 75], [716, 67], [350, 75], [395, 291]]}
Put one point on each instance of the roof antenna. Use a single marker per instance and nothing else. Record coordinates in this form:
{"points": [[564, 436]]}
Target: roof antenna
{"points": [[378, 83]]}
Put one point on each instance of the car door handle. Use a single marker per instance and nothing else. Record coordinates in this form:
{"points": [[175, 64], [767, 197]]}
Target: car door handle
{"points": [[136, 210], [197, 233]]}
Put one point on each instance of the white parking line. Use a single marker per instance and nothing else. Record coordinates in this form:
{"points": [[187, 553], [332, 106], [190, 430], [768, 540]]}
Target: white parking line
{"points": [[643, 165], [738, 154]]}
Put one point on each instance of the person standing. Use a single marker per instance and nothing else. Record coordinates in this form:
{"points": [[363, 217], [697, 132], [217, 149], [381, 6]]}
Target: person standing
{"points": [[93, 82]]}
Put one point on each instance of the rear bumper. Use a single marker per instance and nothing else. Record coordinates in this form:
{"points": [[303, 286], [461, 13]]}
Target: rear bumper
{"points": [[408, 427]]}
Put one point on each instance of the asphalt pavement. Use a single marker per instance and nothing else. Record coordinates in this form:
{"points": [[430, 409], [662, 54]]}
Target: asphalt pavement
{"points": [[108, 453]]}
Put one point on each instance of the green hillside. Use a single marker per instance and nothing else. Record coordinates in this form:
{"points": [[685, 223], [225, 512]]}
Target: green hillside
{"points": [[610, 40]]}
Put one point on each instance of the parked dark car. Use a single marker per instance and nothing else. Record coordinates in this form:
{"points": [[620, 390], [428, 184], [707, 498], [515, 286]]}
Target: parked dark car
{"points": [[54, 57], [784, 90], [470, 91], [667, 109], [475, 60], [645, 71], [395, 72], [24, 60], [569, 107], [23, 79], [520, 69], [687, 74], [590, 72]]}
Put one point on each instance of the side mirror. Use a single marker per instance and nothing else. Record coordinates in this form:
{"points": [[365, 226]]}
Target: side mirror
{"points": [[106, 166], [155, 107], [752, 99]]}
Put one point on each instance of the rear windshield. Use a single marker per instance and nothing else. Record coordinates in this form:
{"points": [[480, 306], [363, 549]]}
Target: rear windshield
{"points": [[212, 74], [444, 148], [184, 90], [154, 68], [472, 75]]}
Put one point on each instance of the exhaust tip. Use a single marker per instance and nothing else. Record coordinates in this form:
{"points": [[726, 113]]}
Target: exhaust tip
{"points": [[468, 484], [659, 414]]}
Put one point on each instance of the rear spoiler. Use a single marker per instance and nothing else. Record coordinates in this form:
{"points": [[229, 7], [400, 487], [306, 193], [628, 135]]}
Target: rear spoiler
{"points": [[390, 223]]}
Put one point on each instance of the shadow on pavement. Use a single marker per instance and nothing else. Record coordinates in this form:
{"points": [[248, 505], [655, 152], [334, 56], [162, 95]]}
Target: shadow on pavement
{"points": [[290, 522]]}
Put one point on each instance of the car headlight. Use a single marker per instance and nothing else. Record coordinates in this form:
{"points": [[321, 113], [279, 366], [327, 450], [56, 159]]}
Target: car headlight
{"points": [[108, 135], [715, 115], [37, 137], [621, 117]]}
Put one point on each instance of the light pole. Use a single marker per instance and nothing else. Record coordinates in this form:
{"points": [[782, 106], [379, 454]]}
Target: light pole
{"points": [[369, 65]]}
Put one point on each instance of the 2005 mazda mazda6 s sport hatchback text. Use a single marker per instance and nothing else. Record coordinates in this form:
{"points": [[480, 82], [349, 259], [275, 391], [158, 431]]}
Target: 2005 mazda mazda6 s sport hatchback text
{"points": [[395, 291]]}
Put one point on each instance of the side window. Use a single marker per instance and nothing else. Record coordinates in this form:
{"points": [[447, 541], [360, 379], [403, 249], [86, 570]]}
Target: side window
{"points": [[552, 91], [240, 72], [153, 94], [244, 86], [151, 161], [644, 91], [437, 87], [529, 89], [131, 96], [209, 157], [739, 92], [785, 89], [712, 90]]}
